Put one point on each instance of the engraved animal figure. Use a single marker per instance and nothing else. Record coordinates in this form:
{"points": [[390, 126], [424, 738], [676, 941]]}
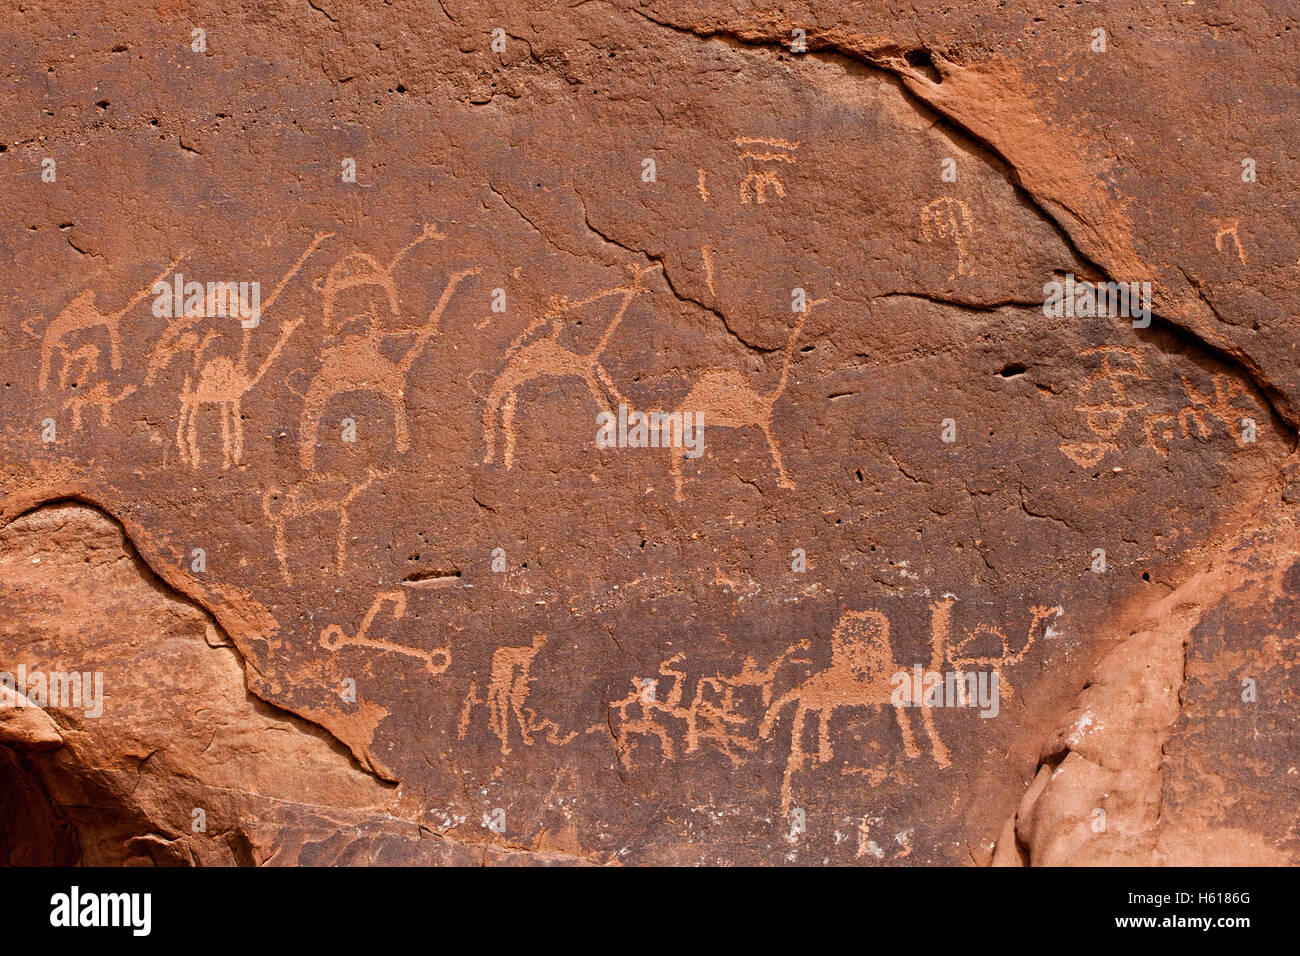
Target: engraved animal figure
{"points": [[949, 218], [862, 664], [99, 396], [1226, 228], [333, 637], [507, 697], [180, 335], [546, 358], [310, 496], [725, 398], [754, 187], [356, 363], [358, 269], [645, 697], [715, 714], [78, 367], [223, 382], [82, 315], [963, 661]]}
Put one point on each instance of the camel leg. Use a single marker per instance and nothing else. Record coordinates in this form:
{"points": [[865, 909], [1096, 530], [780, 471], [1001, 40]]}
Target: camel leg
{"points": [[905, 725], [795, 760], [341, 545], [114, 348], [180, 429], [520, 693], [192, 432], [665, 740], [496, 396], [181, 419], [401, 433], [489, 429], [280, 553], [784, 481], [499, 718], [610, 389], [508, 426], [593, 386], [391, 289], [224, 414], [824, 750], [237, 426], [309, 426], [937, 748]]}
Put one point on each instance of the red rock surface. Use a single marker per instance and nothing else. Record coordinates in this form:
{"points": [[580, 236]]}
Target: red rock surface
{"points": [[363, 587]]}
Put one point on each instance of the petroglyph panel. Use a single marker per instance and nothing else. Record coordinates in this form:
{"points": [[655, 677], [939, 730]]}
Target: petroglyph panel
{"points": [[837, 629]]}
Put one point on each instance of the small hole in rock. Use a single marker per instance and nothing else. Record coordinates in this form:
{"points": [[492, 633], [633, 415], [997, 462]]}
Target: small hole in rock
{"points": [[921, 61]]}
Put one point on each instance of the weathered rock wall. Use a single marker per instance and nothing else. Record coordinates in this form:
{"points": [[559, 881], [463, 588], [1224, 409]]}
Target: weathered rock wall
{"points": [[364, 584]]}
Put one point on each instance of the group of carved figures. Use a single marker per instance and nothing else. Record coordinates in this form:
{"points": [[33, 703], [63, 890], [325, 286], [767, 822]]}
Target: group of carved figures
{"points": [[356, 359], [737, 712]]}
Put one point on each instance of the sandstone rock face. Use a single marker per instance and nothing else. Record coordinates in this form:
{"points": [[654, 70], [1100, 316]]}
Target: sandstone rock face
{"points": [[363, 581]]}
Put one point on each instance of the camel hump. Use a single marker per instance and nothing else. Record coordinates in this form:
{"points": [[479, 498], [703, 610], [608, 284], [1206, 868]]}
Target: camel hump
{"points": [[356, 267], [861, 643], [861, 625]]}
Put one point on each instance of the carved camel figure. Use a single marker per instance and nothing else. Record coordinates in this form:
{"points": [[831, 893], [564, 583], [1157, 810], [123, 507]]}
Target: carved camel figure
{"points": [[546, 358], [726, 398], [862, 665]]}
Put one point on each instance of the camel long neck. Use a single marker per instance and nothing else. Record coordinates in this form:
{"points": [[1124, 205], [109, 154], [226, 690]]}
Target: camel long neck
{"points": [[628, 294], [789, 357], [275, 352], [132, 302], [425, 335], [315, 243]]}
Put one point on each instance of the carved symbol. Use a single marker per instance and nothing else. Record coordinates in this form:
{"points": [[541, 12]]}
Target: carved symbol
{"points": [[754, 187], [333, 637], [707, 255], [949, 218], [1201, 408], [1228, 228], [1108, 405]]}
